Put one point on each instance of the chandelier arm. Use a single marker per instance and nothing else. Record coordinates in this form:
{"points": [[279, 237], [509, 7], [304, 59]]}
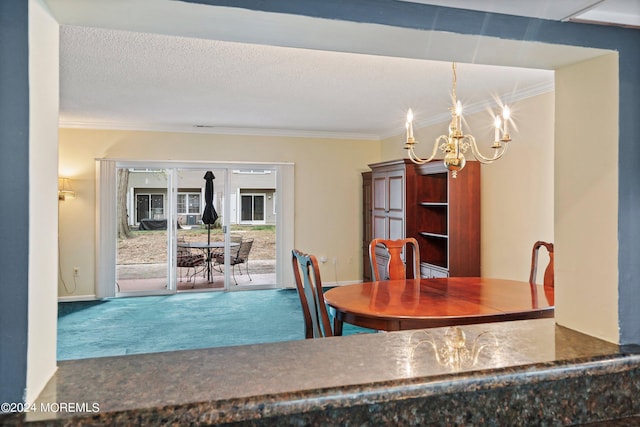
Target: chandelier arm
{"points": [[414, 158], [478, 155]]}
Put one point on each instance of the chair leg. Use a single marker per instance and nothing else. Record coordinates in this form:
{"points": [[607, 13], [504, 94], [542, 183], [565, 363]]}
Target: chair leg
{"points": [[246, 264], [193, 276]]}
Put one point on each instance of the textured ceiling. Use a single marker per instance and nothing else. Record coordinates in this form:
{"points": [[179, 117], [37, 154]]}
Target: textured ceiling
{"points": [[170, 65], [123, 79]]}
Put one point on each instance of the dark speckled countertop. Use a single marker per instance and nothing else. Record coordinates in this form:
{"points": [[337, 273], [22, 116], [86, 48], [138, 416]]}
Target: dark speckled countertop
{"points": [[514, 373]]}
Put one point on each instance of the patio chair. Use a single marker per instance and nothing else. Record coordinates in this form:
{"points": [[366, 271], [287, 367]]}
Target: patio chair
{"points": [[186, 259], [239, 255]]}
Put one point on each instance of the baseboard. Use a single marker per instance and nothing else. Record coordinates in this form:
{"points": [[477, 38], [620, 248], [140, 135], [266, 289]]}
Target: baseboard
{"points": [[343, 283], [78, 298]]}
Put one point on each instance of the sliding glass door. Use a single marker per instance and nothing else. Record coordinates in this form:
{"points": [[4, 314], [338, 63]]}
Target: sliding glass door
{"points": [[165, 244]]}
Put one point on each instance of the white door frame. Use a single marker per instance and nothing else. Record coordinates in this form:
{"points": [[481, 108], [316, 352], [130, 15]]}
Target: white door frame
{"points": [[106, 230]]}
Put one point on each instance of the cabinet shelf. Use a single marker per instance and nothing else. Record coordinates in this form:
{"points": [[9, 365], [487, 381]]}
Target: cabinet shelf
{"points": [[437, 235]]}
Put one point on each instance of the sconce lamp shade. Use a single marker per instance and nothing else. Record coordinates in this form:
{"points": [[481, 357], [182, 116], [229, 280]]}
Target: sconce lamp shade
{"points": [[64, 189]]}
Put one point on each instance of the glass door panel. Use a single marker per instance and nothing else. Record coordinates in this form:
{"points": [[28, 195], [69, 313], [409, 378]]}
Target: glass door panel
{"points": [[253, 222], [199, 246], [143, 236]]}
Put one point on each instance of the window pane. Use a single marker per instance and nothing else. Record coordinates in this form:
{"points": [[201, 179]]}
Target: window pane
{"points": [[194, 203], [142, 207], [182, 208], [258, 208], [246, 206], [157, 206]]}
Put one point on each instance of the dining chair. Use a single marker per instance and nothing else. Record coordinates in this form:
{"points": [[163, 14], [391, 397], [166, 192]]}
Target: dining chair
{"points": [[396, 267], [548, 278], [309, 285]]}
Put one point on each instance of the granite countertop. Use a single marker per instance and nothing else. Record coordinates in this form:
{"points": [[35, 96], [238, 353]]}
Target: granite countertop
{"points": [[270, 381]]}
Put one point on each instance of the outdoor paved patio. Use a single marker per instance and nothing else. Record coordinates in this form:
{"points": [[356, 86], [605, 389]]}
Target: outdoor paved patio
{"points": [[150, 277]]}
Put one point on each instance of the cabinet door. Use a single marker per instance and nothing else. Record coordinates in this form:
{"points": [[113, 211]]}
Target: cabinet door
{"points": [[388, 205], [396, 194], [380, 192], [395, 213], [380, 226], [396, 228]]}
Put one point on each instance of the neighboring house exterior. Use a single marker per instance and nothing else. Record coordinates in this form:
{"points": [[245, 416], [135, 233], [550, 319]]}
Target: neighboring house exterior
{"points": [[252, 196]]}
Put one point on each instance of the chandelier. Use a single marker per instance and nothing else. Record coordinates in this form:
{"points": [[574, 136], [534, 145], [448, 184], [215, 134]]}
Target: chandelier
{"points": [[456, 143]]}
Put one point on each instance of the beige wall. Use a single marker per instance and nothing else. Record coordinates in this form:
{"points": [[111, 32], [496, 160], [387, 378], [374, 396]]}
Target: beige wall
{"points": [[327, 189], [43, 203], [587, 197], [517, 191]]}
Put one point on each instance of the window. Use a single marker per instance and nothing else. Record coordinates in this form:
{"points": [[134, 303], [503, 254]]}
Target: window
{"points": [[149, 206], [252, 208], [188, 203]]}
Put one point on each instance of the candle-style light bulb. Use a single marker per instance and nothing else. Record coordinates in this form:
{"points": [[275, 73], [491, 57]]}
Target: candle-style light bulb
{"points": [[458, 117], [409, 124], [506, 114], [497, 123]]}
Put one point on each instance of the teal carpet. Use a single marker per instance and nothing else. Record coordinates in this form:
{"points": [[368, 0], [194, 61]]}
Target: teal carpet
{"points": [[152, 324]]}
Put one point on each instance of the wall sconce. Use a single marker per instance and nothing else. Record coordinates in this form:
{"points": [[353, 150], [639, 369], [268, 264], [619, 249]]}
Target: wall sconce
{"points": [[64, 189]]}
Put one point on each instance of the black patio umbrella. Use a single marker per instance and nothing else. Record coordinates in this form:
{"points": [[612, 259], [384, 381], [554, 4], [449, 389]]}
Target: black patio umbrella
{"points": [[209, 215]]}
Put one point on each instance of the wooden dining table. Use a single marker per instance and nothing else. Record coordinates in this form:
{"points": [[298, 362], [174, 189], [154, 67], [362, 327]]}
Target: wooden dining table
{"points": [[394, 305]]}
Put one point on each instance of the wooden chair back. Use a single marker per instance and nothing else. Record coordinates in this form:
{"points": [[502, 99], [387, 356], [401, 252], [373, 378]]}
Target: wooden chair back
{"points": [[548, 279], [396, 268], [309, 285]]}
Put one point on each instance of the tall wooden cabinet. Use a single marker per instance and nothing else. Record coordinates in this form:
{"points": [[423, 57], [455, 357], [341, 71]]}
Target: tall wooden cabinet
{"points": [[442, 213], [447, 224], [366, 225]]}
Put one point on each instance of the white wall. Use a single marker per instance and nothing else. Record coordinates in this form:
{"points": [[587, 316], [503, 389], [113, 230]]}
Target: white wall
{"points": [[516, 191], [328, 195], [43, 203], [586, 200]]}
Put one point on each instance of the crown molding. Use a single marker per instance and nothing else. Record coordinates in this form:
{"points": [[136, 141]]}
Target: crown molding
{"points": [[212, 130]]}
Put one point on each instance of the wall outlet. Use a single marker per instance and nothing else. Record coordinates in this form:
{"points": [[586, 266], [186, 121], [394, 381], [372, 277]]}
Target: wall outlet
{"points": [[76, 271], [335, 260], [323, 259]]}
